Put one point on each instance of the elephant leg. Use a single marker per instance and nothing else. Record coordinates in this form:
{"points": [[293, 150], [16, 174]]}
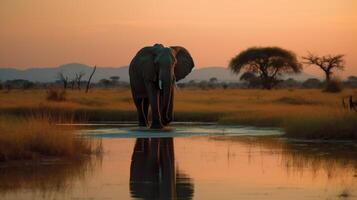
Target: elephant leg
{"points": [[153, 95], [139, 103]]}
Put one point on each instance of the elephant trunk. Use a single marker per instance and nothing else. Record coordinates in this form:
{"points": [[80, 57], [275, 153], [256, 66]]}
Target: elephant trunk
{"points": [[166, 100]]}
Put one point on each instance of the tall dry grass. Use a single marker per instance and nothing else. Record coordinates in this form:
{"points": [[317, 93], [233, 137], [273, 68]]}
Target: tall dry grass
{"points": [[38, 136]]}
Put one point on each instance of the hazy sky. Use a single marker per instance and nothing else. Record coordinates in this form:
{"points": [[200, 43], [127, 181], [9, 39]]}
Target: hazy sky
{"points": [[41, 33]]}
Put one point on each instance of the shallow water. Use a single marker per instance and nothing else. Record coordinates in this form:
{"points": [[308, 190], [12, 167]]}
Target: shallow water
{"points": [[218, 163]]}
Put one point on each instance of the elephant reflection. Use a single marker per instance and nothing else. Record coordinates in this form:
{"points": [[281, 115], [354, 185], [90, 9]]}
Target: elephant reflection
{"points": [[153, 174]]}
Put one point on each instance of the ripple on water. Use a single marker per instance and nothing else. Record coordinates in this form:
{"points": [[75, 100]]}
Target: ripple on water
{"points": [[181, 131]]}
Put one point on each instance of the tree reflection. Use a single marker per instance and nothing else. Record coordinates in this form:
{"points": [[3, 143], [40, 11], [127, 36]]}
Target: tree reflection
{"points": [[153, 174]]}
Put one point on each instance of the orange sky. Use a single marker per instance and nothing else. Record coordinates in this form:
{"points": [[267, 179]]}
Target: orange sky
{"points": [[39, 33]]}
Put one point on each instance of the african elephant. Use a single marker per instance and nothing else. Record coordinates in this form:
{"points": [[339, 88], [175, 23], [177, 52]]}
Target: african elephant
{"points": [[153, 73]]}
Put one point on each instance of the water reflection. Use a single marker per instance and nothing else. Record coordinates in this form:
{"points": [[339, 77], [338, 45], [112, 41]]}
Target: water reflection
{"points": [[331, 159], [153, 174], [44, 179], [221, 167]]}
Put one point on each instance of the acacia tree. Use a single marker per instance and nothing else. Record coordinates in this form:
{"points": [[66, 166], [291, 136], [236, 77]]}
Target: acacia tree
{"points": [[326, 63], [105, 82], [268, 62], [114, 80], [213, 80]]}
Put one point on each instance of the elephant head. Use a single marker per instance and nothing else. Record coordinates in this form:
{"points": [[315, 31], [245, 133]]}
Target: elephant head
{"points": [[173, 64]]}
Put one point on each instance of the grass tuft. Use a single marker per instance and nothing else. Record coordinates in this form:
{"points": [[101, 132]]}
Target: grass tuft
{"points": [[38, 136]]}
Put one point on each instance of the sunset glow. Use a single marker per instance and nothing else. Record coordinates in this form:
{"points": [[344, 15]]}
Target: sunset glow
{"points": [[36, 33]]}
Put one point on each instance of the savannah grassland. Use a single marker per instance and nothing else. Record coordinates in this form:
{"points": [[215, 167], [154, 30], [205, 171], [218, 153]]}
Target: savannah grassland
{"points": [[309, 113]]}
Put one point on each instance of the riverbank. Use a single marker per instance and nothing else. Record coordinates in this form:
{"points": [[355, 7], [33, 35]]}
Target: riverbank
{"points": [[38, 136], [307, 114]]}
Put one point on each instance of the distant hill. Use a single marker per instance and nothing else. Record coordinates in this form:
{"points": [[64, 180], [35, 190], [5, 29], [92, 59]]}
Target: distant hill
{"points": [[50, 74], [221, 73], [224, 74]]}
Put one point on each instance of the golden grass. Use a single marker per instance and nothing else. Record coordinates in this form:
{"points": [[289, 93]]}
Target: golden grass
{"points": [[38, 136], [231, 106]]}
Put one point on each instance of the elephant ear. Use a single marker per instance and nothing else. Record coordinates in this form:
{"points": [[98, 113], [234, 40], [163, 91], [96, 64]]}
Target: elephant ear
{"points": [[184, 62]]}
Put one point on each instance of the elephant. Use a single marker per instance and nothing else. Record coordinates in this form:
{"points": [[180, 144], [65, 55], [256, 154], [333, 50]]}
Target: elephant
{"points": [[153, 72]]}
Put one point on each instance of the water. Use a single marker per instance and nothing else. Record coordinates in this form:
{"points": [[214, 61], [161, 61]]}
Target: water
{"points": [[198, 162]]}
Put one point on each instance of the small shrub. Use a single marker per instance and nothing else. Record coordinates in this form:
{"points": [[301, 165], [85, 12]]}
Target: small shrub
{"points": [[56, 94], [312, 83], [344, 194], [333, 86]]}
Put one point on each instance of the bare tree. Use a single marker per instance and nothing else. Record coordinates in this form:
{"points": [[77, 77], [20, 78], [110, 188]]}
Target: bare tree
{"points": [[327, 63], [90, 78], [73, 83], [78, 78], [63, 79]]}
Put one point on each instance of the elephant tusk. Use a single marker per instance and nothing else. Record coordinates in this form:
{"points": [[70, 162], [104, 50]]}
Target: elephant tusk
{"points": [[160, 84], [177, 88]]}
